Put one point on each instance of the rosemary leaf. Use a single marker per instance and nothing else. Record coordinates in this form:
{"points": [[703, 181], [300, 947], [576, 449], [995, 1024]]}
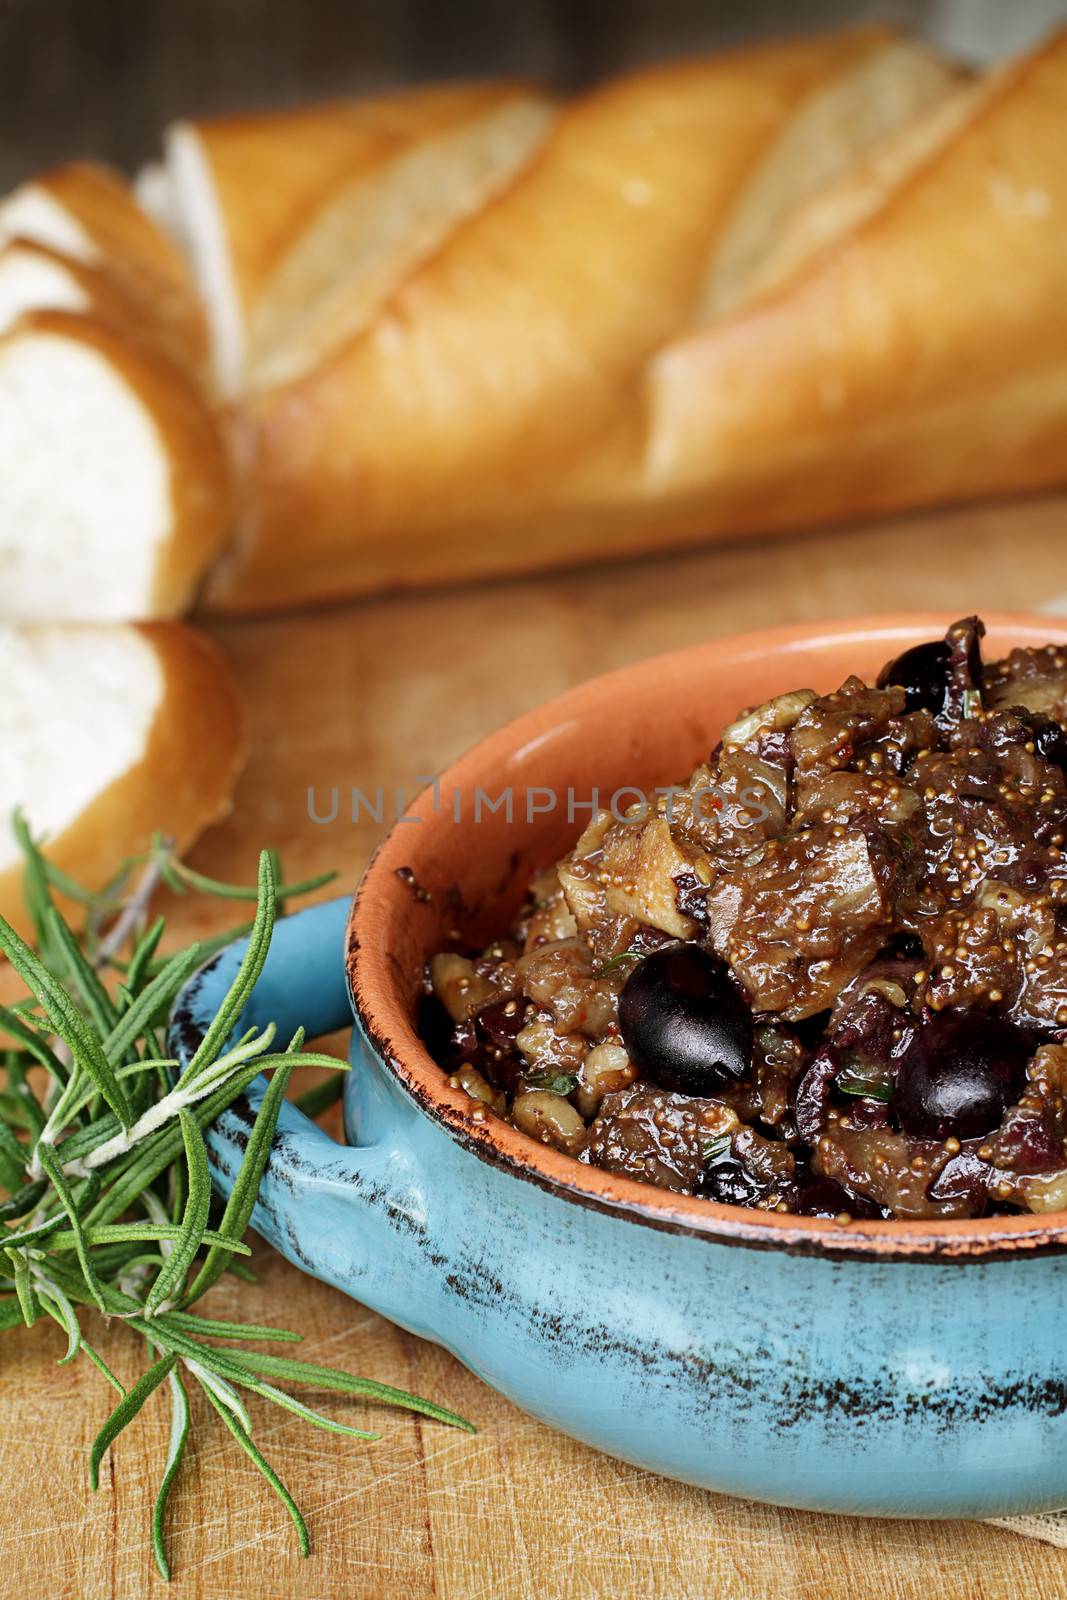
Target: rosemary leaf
{"points": [[265, 1468], [18, 1106], [35, 890], [17, 1027], [237, 1269], [215, 1328], [194, 1223], [101, 1365], [60, 1309], [96, 998], [53, 1169], [233, 891], [154, 998], [37, 1234], [66, 1020], [124, 1413], [345, 1382], [242, 1200], [69, 886], [27, 1300], [222, 1391], [143, 956], [246, 979], [288, 1402], [12, 1160], [25, 1200], [179, 1435], [138, 1233]]}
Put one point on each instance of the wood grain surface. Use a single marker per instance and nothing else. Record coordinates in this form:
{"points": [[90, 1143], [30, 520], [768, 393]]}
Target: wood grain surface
{"points": [[377, 694]]}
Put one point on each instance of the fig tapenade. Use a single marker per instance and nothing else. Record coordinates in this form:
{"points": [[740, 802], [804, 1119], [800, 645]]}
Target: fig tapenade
{"points": [[827, 975]]}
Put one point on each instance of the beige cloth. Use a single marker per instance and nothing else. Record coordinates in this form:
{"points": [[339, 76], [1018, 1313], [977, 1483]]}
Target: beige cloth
{"points": [[1050, 1527]]}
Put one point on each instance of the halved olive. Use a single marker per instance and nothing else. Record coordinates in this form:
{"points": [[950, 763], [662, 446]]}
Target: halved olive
{"points": [[922, 672]]}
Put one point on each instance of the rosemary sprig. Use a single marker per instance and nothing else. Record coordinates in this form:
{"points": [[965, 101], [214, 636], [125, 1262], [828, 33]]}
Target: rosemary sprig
{"points": [[106, 1204]]}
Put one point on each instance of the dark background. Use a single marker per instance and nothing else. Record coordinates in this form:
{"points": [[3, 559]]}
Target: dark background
{"points": [[102, 77]]}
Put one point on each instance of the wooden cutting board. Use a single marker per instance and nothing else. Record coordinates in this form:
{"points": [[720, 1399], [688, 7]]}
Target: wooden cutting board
{"points": [[377, 694]]}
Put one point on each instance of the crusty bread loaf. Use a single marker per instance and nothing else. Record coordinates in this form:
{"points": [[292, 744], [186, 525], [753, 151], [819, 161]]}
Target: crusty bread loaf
{"points": [[919, 356], [453, 411], [468, 330], [111, 734], [114, 483]]}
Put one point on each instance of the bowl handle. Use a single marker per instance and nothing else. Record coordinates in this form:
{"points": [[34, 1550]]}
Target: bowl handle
{"points": [[327, 1207]]}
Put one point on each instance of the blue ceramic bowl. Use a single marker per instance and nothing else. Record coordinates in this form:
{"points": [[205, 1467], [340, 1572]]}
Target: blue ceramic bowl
{"points": [[889, 1369]]}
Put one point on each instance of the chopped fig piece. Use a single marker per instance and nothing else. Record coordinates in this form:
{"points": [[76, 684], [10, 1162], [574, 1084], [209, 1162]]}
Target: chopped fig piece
{"points": [[655, 1136], [802, 917]]}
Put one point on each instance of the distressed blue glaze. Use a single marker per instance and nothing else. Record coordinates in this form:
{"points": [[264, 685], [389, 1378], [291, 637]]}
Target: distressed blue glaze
{"points": [[892, 1388]]}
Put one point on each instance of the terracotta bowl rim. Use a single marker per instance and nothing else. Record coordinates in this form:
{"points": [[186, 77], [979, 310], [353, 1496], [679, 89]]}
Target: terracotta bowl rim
{"points": [[390, 1030]]}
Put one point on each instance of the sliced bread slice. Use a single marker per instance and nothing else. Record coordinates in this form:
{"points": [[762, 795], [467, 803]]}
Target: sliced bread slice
{"points": [[111, 734], [114, 484], [89, 214]]}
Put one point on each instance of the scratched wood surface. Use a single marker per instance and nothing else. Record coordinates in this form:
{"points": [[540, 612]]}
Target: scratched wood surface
{"points": [[377, 694]]}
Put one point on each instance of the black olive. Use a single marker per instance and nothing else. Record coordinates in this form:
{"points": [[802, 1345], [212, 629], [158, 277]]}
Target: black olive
{"points": [[959, 1075], [728, 1182], [684, 1024], [922, 672], [1050, 742]]}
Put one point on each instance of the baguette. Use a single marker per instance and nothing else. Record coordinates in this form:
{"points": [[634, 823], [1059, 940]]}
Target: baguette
{"points": [[920, 356], [111, 734], [114, 483], [270, 208], [465, 331], [449, 429]]}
